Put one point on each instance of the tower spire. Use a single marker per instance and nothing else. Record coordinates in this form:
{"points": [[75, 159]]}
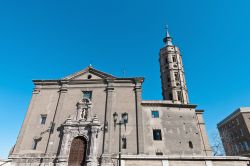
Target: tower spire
{"points": [[168, 39]]}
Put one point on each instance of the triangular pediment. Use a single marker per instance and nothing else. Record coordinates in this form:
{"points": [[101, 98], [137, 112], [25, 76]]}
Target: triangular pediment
{"points": [[89, 73]]}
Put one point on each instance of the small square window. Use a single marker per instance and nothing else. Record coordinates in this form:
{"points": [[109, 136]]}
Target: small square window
{"points": [[155, 114], [87, 94], [157, 134], [43, 119]]}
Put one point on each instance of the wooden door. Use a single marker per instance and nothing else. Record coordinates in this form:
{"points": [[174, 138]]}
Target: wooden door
{"points": [[77, 152]]}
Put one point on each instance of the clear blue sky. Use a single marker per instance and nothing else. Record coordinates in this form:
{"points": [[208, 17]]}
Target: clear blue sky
{"points": [[46, 39]]}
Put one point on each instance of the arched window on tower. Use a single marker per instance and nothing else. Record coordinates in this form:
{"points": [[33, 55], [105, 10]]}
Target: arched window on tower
{"points": [[179, 96], [174, 58], [166, 60]]}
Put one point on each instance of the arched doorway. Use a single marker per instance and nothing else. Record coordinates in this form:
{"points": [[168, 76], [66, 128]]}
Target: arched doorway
{"points": [[77, 153]]}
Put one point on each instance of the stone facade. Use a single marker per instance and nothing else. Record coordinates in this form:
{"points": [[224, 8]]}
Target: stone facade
{"points": [[234, 132], [164, 132]]}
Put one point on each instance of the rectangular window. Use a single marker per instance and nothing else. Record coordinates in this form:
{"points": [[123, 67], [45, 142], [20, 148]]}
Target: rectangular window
{"points": [[176, 76], [155, 114], [174, 58], [124, 143], [43, 119], [87, 94], [179, 95], [157, 134]]}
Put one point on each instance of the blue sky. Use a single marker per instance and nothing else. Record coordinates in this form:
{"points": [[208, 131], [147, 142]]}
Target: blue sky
{"points": [[46, 39]]}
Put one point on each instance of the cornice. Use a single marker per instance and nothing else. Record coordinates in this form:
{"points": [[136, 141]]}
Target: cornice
{"points": [[91, 81], [233, 115]]}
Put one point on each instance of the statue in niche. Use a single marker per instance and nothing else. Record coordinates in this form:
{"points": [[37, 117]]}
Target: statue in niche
{"points": [[84, 114], [84, 109]]}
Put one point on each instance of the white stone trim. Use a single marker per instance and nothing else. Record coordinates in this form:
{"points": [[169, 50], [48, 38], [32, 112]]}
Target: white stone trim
{"points": [[165, 163], [209, 163], [123, 163]]}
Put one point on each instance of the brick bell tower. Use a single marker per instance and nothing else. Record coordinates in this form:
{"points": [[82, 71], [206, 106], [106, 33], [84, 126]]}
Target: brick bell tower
{"points": [[172, 73]]}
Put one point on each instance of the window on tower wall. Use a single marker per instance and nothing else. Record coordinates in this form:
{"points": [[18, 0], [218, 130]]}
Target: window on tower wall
{"points": [[176, 76], [170, 95], [166, 60], [174, 58], [179, 95]]}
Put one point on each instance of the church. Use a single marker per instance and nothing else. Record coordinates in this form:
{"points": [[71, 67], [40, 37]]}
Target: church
{"points": [[92, 118]]}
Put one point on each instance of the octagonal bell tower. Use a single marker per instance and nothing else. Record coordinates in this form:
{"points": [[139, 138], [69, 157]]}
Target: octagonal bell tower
{"points": [[172, 73]]}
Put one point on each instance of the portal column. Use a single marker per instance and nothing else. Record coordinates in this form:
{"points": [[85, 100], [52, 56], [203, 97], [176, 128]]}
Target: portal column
{"points": [[64, 150], [92, 157]]}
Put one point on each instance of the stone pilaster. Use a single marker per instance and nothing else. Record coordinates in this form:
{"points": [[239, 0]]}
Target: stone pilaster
{"points": [[62, 93], [203, 133], [92, 157], [139, 119], [106, 157]]}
